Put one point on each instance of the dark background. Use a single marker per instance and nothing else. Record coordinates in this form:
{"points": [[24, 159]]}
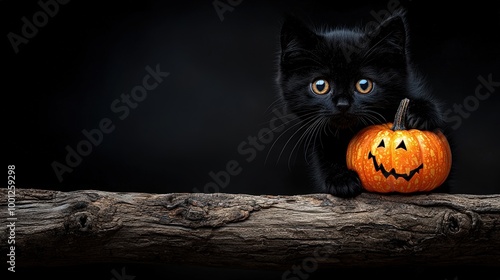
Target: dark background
{"points": [[220, 91]]}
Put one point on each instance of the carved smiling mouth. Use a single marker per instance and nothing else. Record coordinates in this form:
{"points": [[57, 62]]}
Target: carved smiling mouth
{"points": [[380, 167]]}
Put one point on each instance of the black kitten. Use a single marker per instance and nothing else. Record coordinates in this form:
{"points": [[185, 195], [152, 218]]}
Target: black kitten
{"points": [[341, 80]]}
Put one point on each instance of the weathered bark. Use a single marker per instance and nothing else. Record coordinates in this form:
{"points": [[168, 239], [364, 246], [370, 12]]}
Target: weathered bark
{"points": [[64, 228]]}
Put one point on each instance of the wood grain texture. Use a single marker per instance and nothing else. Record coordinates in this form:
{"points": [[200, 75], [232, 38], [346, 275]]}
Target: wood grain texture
{"points": [[63, 228]]}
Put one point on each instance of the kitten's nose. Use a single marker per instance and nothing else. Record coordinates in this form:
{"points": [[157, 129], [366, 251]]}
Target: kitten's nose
{"points": [[343, 104]]}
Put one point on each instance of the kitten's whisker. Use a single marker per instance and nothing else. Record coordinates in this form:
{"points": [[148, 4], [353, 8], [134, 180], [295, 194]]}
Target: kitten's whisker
{"points": [[291, 118], [278, 138], [303, 137], [276, 104], [295, 118], [310, 140], [362, 119], [319, 128], [327, 130], [374, 116], [308, 117], [368, 119], [304, 124]]}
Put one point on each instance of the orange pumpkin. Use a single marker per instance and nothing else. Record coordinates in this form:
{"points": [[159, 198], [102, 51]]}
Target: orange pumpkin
{"points": [[389, 158]]}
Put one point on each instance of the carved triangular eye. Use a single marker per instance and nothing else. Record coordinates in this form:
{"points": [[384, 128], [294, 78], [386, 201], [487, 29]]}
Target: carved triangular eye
{"points": [[402, 145], [382, 144]]}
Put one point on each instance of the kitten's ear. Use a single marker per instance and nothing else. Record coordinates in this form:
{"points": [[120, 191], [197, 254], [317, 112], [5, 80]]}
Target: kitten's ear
{"points": [[295, 37], [390, 36]]}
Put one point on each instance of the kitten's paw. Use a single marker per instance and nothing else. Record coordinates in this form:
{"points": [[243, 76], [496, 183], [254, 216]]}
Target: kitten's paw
{"points": [[423, 115], [345, 184]]}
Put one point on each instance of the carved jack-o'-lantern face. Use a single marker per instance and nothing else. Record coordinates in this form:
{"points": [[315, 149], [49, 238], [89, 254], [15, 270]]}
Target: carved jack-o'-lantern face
{"points": [[387, 170], [398, 160]]}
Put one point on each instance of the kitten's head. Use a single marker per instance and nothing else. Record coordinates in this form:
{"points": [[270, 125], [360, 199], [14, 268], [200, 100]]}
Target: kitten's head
{"points": [[349, 77]]}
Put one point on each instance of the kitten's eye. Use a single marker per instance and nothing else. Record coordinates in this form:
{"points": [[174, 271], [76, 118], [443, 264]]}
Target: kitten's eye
{"points": [[364, 86], [320, 86]]}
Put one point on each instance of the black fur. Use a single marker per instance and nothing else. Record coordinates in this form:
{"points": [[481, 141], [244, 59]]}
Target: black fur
{"points": [[343, 56]]}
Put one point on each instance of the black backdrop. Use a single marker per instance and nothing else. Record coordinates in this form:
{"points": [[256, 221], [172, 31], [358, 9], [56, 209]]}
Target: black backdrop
{"points": [[73, 73]]}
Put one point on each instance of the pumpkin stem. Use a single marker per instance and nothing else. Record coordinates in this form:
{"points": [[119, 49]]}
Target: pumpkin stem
{"points": [[400, 118]]}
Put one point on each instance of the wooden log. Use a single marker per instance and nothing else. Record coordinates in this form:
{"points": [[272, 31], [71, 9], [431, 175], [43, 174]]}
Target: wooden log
{"points": [[54, 228]]}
